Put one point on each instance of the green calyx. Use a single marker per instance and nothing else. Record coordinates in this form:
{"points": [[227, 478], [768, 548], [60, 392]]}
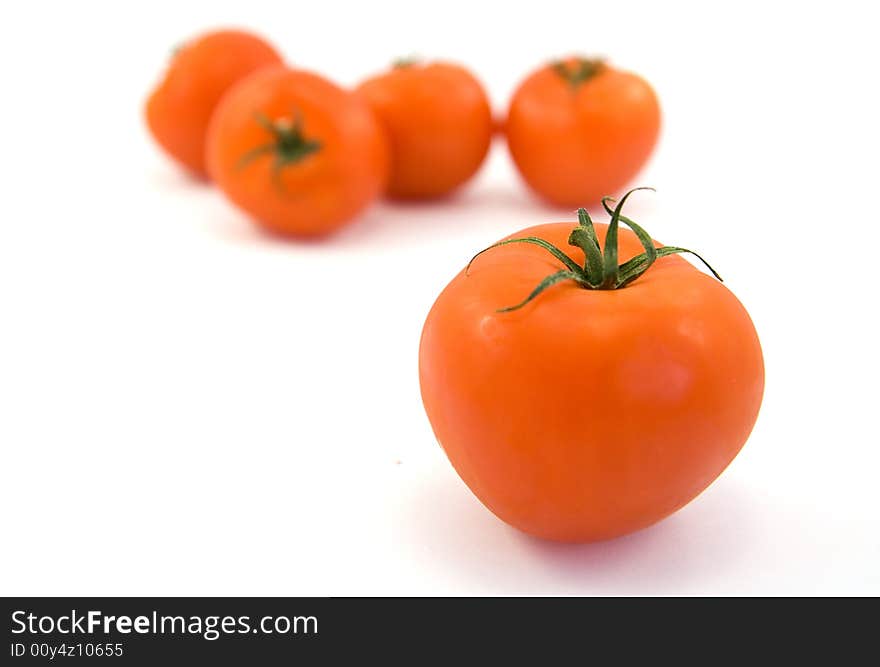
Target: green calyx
{"points": [[600, 270], [288, 144], [405, 61], [578, 71]]}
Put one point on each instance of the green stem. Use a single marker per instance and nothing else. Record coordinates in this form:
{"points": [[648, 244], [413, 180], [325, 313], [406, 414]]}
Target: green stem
{"points": [[405, 61], [611, 268], [601, 270], [534, 240], [584, 237], [578, 71], [287, 144], [549, 281]]}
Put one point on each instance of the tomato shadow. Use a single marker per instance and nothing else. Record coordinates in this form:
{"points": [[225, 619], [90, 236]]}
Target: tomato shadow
{"points": [[687, 553], [473, 212], [483, 213], [172, 179]]}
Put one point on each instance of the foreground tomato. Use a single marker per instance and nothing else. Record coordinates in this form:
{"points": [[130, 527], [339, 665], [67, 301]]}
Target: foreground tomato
{"points": [[301, 155], [439, 124], [179, 109], [579, 129], [582, 400]]}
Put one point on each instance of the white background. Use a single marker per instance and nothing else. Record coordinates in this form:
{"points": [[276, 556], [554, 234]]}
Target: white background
{"points": [[188, 407]]}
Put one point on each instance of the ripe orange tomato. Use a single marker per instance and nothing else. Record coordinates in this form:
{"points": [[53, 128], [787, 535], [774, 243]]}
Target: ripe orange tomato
{"points": [[588, 413], [439, 124], [301, 155], [179, 109], [580, 129]]}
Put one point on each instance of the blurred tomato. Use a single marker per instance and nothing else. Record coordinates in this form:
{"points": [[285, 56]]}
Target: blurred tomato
{"points": [[439, 125], [581, 129], [298, 153], [179, 109]]}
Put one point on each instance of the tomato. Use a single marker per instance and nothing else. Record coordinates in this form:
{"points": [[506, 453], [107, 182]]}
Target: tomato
{"points": [[179, 109], [301, 155], [578, 410], [580, 129], [439, 125]]}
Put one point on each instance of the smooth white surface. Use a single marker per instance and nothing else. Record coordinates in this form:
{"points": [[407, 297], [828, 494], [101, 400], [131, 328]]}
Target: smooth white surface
{"points": [[188, 407]]}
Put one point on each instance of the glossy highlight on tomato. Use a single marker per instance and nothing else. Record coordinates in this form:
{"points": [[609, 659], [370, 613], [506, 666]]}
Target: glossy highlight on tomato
{"points": [[583, 406]]}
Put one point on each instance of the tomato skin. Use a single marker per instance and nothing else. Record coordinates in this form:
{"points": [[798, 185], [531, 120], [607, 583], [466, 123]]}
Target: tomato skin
{"points": [[586, 415], [574, 145], [318, 194], [179, 108], [439, 124]]}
